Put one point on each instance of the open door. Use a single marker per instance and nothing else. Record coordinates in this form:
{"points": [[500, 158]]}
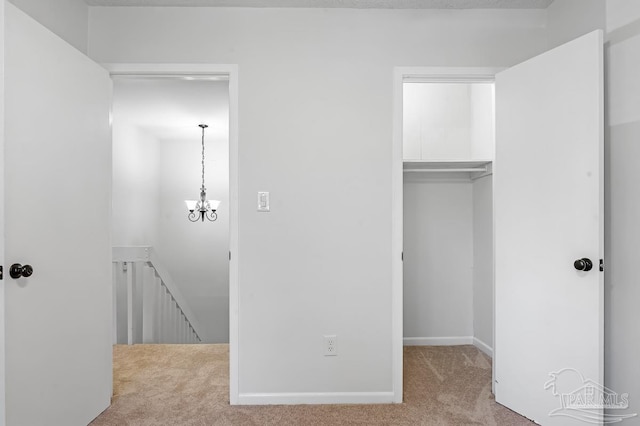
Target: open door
{"points": [[548, 189], [57, 192]]}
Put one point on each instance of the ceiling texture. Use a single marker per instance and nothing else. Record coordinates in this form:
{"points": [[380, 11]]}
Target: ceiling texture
{"points": [[347, 4]]}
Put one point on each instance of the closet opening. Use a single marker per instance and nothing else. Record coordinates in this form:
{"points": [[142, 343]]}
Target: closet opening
{"points": [[448, 142], [444, 137]]}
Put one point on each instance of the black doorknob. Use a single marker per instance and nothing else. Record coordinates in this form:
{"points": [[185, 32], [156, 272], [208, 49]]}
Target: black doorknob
{"points": [[583, 264], [17, 271]]}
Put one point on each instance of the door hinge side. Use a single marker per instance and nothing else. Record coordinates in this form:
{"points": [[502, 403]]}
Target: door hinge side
{"points": [[1, 272], [601, 265]]}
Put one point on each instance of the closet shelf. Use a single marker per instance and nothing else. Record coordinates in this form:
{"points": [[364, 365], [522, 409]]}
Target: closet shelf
{"points": [[453, 166]]}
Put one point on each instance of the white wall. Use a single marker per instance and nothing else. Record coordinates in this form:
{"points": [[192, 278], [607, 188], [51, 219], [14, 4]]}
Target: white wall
{"points": [[568, 19], [444, 120], [136, 173], [197, 254], [622, 202], [66, 18], [482, 121], [438, 260], [621, 13], [315, 130], [448, 260], [483, 261]]}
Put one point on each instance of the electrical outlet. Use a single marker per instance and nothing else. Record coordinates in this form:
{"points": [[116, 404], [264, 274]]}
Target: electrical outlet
{"points": [[330, 345]]}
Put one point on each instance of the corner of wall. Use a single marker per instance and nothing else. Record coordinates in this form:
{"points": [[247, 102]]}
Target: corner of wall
{"points": [[569, 19], [68, 19]]}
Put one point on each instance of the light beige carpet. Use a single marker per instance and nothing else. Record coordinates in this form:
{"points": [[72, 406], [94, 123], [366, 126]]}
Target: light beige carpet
{"points": [[189, 385]]}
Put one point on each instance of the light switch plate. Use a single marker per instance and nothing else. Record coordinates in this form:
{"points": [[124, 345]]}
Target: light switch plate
{"points": [[263, 202]]}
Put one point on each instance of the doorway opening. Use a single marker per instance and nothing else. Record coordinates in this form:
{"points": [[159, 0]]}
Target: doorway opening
{"points": [[180, 294], [188, 269]]}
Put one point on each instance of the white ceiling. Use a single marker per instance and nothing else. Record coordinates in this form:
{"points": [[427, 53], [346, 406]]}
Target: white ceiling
{"points": [[352, 4], [172, 108]]}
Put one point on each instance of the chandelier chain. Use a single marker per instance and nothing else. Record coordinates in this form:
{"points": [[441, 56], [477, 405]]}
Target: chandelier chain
{"points": [[203, 157]]}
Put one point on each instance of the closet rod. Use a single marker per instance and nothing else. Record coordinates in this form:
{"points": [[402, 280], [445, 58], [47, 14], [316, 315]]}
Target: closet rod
{"points": [[477, 169], [481, 176]]}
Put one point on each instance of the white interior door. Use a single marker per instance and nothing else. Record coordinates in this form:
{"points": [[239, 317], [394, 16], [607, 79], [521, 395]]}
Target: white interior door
{"points": [[548, 181], [57, 169]]}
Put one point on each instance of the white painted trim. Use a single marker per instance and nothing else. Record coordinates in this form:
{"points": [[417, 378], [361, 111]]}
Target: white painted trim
{"points": [[601, 134], [493, 255], [178, 70], [397, 242], [234, 249], [316, 398], [438, 341], [483, 346], [129, 280], [448, 74], [231, 71], [400, 75]]}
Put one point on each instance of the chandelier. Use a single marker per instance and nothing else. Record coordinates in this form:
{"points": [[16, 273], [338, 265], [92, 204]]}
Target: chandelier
{"points": [[199, 209]]}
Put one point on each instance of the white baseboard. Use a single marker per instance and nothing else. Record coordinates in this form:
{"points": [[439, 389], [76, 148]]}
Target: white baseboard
{"points": [[438, 341], [316, 398], [449, 341], [483, 346]]}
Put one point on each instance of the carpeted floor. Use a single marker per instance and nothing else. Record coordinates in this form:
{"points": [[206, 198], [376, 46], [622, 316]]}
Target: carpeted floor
{"points": [[189, 385]]}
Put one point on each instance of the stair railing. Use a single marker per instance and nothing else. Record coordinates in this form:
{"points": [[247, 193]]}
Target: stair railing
{"points": [[148, 307]]}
